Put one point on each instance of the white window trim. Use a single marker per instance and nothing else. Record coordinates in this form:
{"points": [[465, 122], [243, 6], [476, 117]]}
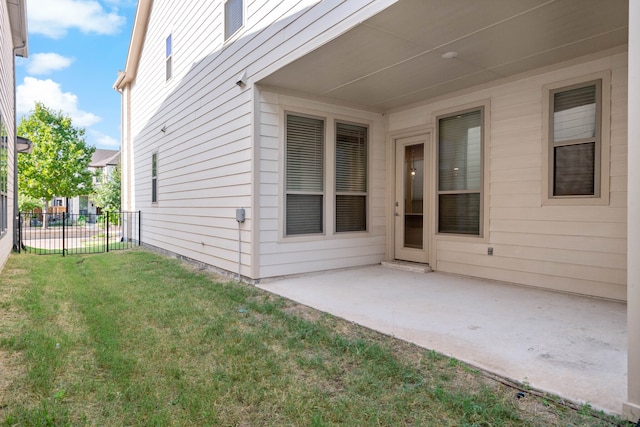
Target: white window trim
{"points": [[483, 237], [329, 218], [602, 193]]}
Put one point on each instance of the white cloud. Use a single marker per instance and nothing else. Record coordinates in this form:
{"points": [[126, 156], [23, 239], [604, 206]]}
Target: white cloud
{"points": [[104, 141], [45, 63], [50, 93], [54, 18]]}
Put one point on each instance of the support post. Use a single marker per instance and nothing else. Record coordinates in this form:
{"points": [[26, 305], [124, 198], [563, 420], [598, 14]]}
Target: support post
{"points": [[631, 408]]}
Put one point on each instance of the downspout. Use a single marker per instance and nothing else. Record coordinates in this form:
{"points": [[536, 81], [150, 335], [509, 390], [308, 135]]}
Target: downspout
{"points": [[16, 210]]}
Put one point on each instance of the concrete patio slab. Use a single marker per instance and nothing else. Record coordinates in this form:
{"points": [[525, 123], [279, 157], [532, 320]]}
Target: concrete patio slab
{"points": [[572, 346]]}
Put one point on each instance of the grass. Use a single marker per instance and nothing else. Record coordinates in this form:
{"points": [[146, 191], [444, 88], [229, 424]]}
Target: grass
{"points": [[133, 338]]}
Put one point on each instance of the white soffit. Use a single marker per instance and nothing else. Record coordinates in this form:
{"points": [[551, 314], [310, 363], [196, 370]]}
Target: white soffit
{"points": [[18, 22], [395, 58]]}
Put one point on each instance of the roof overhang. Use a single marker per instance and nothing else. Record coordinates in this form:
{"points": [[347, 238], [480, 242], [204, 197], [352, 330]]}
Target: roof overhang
{"points": [[18, 21], [416, 50], [138, 34]]}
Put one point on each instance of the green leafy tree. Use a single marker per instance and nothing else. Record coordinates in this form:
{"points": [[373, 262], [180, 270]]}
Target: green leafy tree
{"points": [[57, 165], [28, 204], [107, 194]]}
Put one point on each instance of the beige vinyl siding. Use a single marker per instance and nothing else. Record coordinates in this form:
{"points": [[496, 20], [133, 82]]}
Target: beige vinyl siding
{"points": [[577, 249], [207, 152], [300, 254], [6, 109]]}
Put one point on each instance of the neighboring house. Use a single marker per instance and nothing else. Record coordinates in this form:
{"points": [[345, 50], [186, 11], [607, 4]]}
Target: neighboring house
{"points": [[13, 42], [103, 164], [486, 139]]}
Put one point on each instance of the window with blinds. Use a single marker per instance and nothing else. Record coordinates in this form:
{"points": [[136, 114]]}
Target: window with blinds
{"points": [[154, 178], [233, 17], [351, 177], [168, 55], [575, 140], [460, 174], [304, 175]]}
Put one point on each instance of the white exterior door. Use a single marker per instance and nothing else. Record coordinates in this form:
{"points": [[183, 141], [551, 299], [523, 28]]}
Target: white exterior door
{"points": [[411, 204]]}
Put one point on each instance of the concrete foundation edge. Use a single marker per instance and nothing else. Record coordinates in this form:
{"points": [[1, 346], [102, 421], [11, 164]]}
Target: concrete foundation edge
{"points": [[631, 411]]}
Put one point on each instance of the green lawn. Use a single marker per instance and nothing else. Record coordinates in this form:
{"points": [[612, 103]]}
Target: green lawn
{"points": [[134, 338]]}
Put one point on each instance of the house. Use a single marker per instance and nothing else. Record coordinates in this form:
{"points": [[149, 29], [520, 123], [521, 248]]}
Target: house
{"points": [[13, 42], [103, 164], [487, 139]]}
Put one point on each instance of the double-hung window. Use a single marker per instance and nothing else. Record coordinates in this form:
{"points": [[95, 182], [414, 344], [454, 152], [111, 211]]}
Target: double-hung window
{"points": [[168, 56], [309, 169], [305, 138], [351, 177], [154, 178], [460, 172], [575, 140], [233, 17]]}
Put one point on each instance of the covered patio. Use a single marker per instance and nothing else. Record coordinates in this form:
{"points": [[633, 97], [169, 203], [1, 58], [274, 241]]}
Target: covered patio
{"points": [[584, 349], [572, 346]]}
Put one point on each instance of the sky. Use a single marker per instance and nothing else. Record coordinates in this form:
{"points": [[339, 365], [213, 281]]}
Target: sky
{"points": [[76, 48]]}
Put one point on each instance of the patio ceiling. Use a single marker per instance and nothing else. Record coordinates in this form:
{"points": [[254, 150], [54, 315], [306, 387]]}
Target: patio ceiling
{"points": [[395, 57]]}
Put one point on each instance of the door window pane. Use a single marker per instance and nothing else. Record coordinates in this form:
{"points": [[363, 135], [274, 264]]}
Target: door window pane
{"points": [[413, 172]]}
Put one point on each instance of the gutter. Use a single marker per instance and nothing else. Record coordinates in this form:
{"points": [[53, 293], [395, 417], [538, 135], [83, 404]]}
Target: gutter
{"points": [[19, 50]]}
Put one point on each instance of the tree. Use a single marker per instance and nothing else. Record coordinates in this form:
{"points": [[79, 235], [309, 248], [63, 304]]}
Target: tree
{"points": [[107, 194], [59, 160]]}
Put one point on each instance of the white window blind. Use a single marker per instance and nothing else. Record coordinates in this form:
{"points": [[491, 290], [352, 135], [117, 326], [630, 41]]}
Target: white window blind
{"points": [[304, 175], [233, 19], [351, 177], [460, 173]]}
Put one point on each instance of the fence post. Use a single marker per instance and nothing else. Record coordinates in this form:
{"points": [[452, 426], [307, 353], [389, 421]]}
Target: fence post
{"points": [[19, 232], [107, 231], [139, 228], [64, 225]]}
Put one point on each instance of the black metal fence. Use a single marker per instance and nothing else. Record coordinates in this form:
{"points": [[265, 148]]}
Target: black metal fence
{"points": [[64, 234]]}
